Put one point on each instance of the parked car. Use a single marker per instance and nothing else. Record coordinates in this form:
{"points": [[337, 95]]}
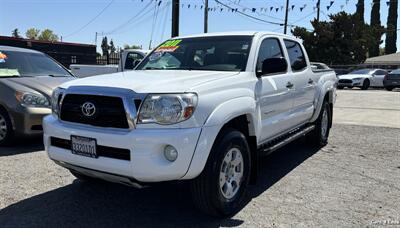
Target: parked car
{"points": [[362, 78], [199, 108], [27, 80], [392, 80], [129, 60]]}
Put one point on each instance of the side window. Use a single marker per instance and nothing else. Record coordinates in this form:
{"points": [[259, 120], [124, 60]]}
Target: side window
{"points": [[130, 60], [380, 72], [296, 55], [270, 48]]}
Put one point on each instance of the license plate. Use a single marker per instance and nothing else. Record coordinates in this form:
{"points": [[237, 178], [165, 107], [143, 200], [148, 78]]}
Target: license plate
{"points": [[84, 146]]}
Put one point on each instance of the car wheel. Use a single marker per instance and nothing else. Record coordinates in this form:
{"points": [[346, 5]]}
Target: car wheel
{"points": [[6, 129], [389, 88], [365, 85], [340, 87], [220, 189], [319, 136], [81, 176], [350, 87]]}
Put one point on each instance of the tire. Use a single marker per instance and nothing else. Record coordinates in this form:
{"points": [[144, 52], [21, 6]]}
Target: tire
{"points": [[319, 136], [210, 190], [340, 87], [82, 177], [366, 84], [389, 88], [6, 129]]}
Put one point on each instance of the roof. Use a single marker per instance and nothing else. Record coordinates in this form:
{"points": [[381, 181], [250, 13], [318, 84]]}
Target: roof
{"points": [[42, 41], [9, 48], [391, 59], [236, 33]]}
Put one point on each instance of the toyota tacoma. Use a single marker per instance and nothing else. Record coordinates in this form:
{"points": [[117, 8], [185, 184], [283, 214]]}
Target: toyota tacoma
{"points": [[198, 108]]}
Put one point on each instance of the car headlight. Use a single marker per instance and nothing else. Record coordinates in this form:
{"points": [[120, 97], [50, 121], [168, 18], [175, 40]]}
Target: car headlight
{"points": [[30, 99], [167, 108], [56, 100]]}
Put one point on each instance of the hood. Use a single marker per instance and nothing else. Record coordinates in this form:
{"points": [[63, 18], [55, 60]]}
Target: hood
{"points": [[153, 81], [42, 84], [352, 76]]}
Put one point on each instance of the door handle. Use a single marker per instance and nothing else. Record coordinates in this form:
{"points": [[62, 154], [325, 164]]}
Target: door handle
{"points": [[310, 81], [289, 85]]}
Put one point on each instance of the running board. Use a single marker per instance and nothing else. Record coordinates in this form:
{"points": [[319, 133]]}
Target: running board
{"points": [[284, 140]]}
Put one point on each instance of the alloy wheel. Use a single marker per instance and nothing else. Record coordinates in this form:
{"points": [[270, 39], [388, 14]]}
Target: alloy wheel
{"points": [[231, 173]]}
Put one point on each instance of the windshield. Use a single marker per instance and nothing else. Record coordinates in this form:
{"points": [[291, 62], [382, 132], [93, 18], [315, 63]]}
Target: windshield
{"points": [[221, 53], [25, 64], [395, 71], [362, 71]]}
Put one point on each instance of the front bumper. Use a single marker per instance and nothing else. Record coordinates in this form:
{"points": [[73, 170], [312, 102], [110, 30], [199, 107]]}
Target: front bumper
{"points": [[350, 84], [147, 162], [27, 121]]}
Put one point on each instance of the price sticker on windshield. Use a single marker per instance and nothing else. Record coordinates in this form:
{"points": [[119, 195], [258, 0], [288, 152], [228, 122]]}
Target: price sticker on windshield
{"points": [[169, 46]]}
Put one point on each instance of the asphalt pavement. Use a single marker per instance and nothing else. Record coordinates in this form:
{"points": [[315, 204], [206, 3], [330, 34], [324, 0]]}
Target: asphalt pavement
{"points": [[352, 182]]}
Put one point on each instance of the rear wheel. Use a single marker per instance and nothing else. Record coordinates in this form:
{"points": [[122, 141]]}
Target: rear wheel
{"points": [[365, 85], [220, 189], [6, 129]]}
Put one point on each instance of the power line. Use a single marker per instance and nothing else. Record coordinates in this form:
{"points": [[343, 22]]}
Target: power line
{"points": [[89, 22]]}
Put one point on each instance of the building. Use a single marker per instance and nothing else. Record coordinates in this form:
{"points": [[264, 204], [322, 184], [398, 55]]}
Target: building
{"points": [[63, 52], [391, 61]]}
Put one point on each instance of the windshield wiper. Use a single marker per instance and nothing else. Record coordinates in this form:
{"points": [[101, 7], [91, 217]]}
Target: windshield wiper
{"points": [[53, 75], [153, 68]]}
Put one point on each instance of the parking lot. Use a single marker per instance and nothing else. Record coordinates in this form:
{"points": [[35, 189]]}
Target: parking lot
{"points": [[354, 181]]}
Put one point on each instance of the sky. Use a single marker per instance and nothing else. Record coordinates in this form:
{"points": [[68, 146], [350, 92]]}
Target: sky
{"points": [[139, 21]]}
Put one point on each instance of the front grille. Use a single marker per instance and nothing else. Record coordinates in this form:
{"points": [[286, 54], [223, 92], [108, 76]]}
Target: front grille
{"points": [[345, 81], [110, 111], [102, 151]]}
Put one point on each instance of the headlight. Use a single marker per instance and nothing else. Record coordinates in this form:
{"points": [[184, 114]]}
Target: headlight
{"points": [[167, 108], [56, 99], [30, 99]]}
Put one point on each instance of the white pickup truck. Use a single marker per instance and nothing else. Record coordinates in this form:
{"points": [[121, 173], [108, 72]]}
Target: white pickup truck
{"points": [[198, 108], [129, 59]]}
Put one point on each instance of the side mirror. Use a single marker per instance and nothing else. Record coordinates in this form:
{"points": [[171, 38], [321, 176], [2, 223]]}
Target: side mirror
{"points": [[273, 65]]}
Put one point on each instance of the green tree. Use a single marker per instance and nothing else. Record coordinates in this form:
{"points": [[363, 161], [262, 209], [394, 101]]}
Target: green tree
{"points": [[48, 35], [342, 40], [32, 33], [360, 10], [112, 47], [127, 46], [391, 34], [378, 30], [104, 46], [15, 33]]}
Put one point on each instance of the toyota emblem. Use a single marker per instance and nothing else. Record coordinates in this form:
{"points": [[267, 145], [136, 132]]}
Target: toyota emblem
{"points": [[88, 109]]}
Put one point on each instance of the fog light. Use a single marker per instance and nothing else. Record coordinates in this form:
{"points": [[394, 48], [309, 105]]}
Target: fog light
{"points": [[170, 153]]}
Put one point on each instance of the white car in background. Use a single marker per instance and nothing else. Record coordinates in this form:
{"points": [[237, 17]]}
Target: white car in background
{"points": [[362, 78]]}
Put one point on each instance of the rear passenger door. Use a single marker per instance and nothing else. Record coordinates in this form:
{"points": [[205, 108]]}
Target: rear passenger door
{"points": [[304, 83], [273, 96]]}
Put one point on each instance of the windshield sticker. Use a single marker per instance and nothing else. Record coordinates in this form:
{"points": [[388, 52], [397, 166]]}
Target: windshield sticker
{"points": [[155, 56], [169, 46], [3, 57], [9, 72]]}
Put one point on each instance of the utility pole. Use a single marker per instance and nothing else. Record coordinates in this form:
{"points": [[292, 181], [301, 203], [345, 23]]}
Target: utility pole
{"points": [[205, 16], [318, 9], [95, 39], [175, 18], [286, 16]]}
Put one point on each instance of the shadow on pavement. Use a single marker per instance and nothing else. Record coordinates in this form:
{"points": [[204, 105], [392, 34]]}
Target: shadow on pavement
{"points": [[165, 205], [23, 145]]}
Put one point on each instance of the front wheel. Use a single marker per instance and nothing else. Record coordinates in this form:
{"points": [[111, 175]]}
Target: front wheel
{"points": [[6, 129], [319, 136], [220, 189], [365, 85]]}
